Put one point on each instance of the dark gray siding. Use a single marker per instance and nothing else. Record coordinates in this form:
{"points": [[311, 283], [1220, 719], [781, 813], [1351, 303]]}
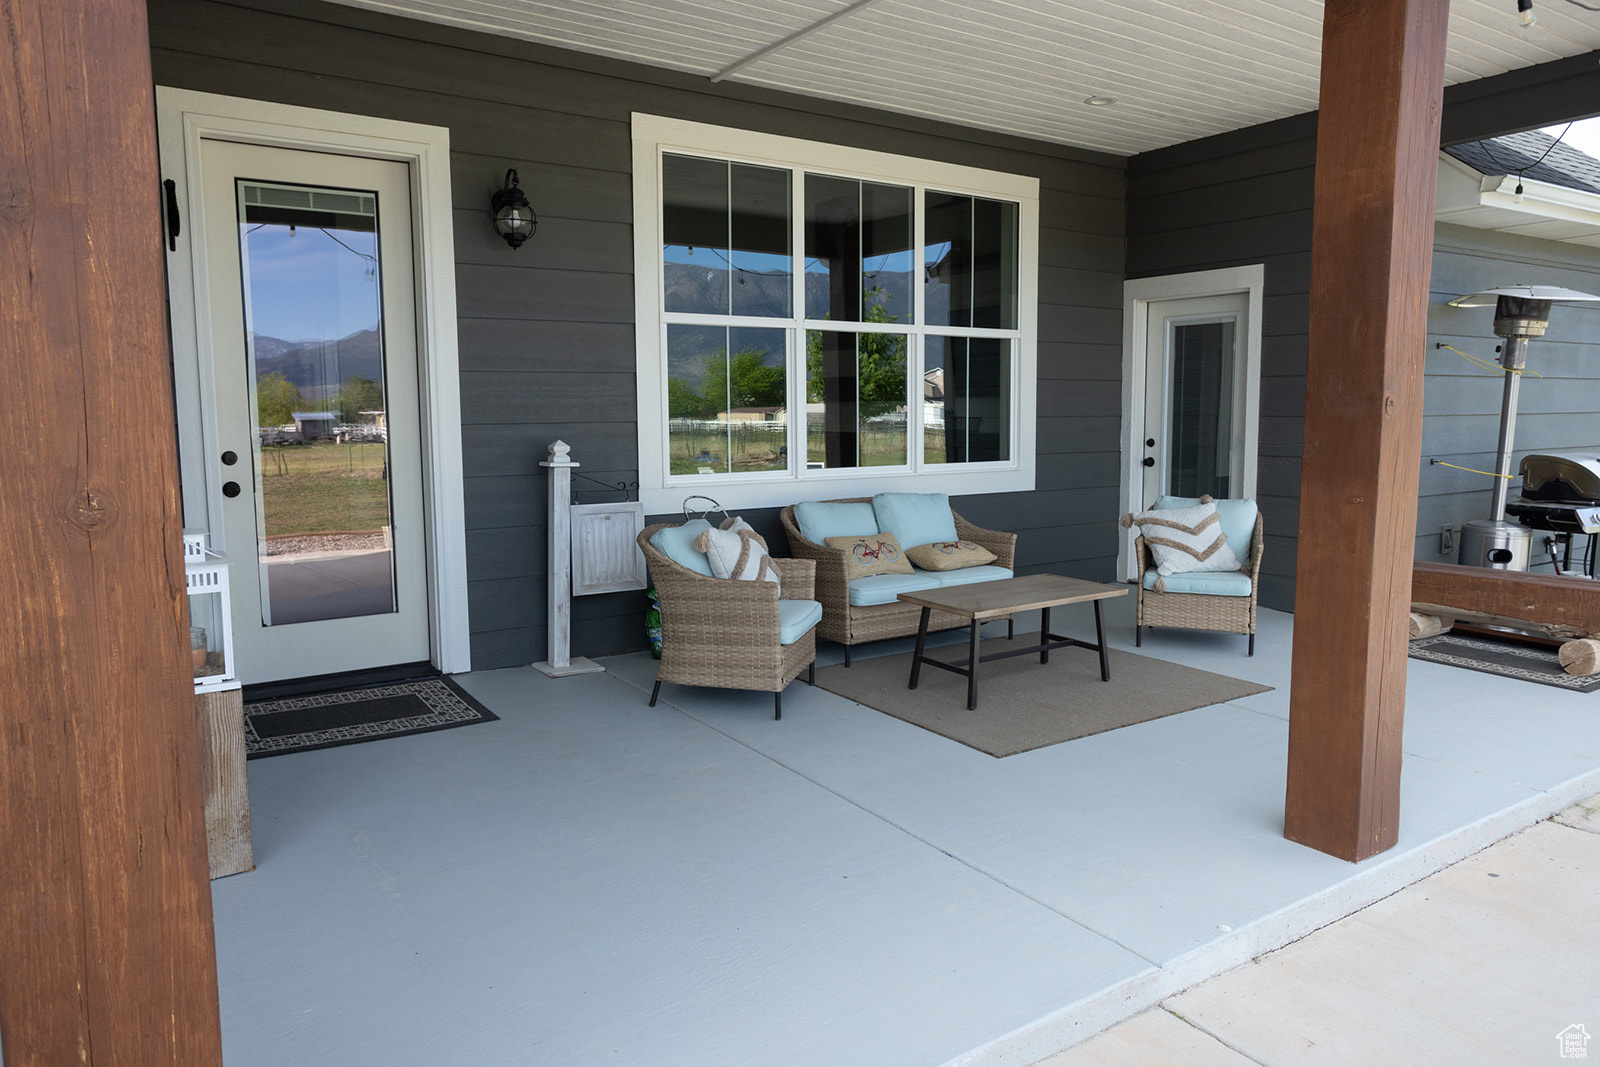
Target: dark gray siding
{"points": [[1246, 197], [1228, 201], [1559, 406], [546, 334]]}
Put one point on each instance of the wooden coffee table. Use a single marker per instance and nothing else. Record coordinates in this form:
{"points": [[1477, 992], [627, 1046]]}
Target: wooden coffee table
{"points": [[988, 600]]}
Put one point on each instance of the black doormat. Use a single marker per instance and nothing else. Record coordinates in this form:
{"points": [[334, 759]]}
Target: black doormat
{"points": [[1510, 659], [350, 716]]}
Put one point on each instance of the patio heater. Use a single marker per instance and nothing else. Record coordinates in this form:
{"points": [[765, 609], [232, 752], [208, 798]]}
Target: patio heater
{"points": [[1521, 313]]}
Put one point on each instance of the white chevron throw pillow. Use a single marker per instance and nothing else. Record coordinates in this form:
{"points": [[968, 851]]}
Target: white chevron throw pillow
{"points": [[1185, 539], [739, 554]]}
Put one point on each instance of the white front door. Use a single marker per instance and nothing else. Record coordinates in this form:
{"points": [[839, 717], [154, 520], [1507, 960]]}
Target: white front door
{"points": [[1194, 404], [313, 349]]}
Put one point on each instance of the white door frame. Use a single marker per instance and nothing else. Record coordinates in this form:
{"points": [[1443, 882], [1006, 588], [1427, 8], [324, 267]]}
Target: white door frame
{"points": [[184, 119], [1137, 295]]}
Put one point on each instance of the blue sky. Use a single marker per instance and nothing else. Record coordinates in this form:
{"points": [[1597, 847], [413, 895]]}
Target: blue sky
{"points": [[306, 286]]}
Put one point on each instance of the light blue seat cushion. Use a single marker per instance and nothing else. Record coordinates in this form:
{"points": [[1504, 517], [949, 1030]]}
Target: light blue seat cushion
{"points": [[1238, 519], [677, 544], [820, 519], [1211, 583], [968, 575], [795, 617], [915, 518], [877, 589]]}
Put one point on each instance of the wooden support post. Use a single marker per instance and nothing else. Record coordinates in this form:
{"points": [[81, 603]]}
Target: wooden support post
{"points": [[1377, 151], [106, 953]]}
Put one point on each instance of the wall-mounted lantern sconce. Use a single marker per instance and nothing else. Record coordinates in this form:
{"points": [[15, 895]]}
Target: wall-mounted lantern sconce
{"points": [[514, 218]]}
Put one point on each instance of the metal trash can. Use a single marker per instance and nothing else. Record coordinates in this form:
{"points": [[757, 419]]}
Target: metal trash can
{"points": [[1503, 546]]}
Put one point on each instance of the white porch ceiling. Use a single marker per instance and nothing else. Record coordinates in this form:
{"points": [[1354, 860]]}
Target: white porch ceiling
{"points": [[1179, 69]]}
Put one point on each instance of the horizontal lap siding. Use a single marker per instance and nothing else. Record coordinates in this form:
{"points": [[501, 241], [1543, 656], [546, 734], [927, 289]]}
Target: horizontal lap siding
{"points": [[1229, 201], [1559, 396], [1246, 197], [546, 332]]}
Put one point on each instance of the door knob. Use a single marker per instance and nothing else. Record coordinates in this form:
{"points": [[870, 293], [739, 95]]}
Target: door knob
{"points": [[229, 458], [1149, 461], [230, 489]]}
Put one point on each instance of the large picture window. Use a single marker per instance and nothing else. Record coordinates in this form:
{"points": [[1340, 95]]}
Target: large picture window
{"points": [[817, 321]]}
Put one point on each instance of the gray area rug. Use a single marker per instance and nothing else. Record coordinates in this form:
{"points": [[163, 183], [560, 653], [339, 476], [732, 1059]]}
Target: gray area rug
{"points": [[1024, 705], [1509, 659], [350, 716]]}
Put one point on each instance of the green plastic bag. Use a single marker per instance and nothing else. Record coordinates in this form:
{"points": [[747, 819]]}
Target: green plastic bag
{"points": [[652, 623]]}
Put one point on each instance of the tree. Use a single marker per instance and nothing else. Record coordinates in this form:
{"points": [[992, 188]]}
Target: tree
{"points": [[754, 385], [358, 394], [277, 399], [880, 362]]}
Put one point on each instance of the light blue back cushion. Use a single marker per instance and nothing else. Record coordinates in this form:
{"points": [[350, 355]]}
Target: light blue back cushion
{"points": [[1238, 519], [677, 544], [915, 518], [821, 519]]}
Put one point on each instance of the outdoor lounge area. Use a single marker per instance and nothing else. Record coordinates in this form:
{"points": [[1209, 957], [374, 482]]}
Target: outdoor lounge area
{"points": [[591, 880]]}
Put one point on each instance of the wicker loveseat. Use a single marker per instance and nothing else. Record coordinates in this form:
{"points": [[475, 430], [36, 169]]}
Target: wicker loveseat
{"points": [[730, 634], [1224, 601], [852, 623]]}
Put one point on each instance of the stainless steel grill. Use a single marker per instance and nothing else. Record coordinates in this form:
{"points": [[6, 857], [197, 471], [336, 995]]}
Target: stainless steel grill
{"points": [[1561, 495]]}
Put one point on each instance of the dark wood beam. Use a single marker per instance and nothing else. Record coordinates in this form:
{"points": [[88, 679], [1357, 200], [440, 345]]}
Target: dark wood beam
{"points": [[1536, 598], [106, 952], [1372, 243]]}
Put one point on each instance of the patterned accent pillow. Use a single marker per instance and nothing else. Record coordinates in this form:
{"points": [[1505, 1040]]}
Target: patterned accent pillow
{"points": [[1185, 539], [949, 555], [738, 554], [878, 553]]}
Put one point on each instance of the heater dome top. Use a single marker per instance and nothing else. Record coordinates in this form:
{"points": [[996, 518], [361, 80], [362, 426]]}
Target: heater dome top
{"points": [[1489, 297]]}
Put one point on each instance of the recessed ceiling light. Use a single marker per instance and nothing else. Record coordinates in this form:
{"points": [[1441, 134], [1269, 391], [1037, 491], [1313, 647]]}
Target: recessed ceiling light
{"points": [[1099, 101]]}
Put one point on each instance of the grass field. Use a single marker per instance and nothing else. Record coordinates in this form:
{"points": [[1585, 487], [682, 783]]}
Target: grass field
{"points": [[324, 487]]}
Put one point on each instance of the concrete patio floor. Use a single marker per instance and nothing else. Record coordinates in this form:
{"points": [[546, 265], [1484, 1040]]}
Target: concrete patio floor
{"points": [[592, 881]]}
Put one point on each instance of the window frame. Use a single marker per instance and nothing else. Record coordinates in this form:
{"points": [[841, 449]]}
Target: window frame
{"points": [[662, 492]]}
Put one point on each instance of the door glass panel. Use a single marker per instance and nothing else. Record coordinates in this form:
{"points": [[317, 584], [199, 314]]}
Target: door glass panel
{"points": [[855, 399], [1200, 408], [314, 346], [966, 399], [726, 406]]}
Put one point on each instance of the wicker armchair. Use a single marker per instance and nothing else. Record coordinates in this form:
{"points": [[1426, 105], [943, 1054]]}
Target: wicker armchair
{"points": [[723, 633], [1200, 611], [850, 624]]}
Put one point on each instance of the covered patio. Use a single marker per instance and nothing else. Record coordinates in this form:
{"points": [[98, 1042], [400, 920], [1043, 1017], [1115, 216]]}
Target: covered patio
{"points": [[590, 880]]}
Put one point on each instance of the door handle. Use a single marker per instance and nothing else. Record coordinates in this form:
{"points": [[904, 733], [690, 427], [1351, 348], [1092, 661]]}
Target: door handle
{"points": [[230, 489], [1149, 461]]}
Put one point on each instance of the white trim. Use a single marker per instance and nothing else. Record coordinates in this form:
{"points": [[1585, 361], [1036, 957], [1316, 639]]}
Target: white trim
{"points": [[1468, 197], [658, 492], [1137, 295], [184, 119]]}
